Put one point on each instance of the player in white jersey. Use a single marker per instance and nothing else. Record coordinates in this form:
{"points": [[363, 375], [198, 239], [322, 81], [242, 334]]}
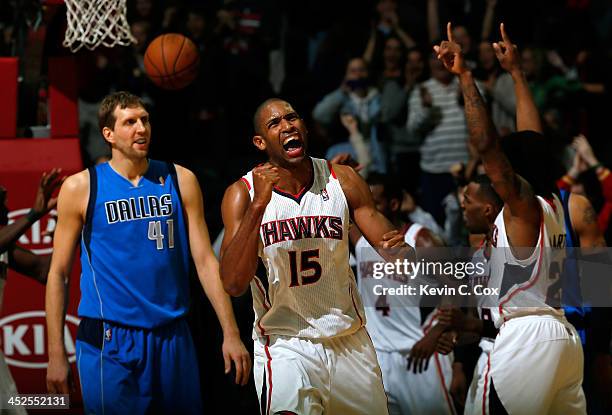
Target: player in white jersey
{"points": [[532, 333], [312, 352], [481, 206], [416, 379]]}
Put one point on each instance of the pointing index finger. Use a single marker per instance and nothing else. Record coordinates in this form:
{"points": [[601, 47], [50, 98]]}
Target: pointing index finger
{"points": [[505, 37], [449, 32]]}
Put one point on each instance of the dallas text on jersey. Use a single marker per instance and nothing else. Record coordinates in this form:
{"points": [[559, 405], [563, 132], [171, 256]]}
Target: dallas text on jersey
{"points": [[135, 208]]}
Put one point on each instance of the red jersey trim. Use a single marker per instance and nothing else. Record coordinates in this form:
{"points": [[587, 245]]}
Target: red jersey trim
{"points": [[331, 169], [246, 182], [531, 282]]}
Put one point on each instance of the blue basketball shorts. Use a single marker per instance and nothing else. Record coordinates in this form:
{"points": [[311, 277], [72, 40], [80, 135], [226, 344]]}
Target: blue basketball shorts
{"points": [[128, 370]]}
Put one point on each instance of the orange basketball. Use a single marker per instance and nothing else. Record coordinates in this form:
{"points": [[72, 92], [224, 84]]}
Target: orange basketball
{"points": [[171, 61]]}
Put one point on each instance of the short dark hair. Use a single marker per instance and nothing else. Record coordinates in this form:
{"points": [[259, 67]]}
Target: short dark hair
{"points": [[485, 188], [258, 111], [532, 158], [392, 189], [122, 99]]}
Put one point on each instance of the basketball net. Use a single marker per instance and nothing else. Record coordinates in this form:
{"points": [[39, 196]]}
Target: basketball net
{"points": [[92, 23]]}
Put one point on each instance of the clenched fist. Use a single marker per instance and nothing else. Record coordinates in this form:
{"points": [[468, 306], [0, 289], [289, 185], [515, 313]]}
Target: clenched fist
{"points": [[265, 177]]}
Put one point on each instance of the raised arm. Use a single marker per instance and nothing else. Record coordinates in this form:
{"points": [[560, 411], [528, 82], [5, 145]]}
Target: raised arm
{"points": [[406, 39], [328, 108], [208, 273], [368, 54], [71, 207], [523, 207], [487, 21], [43, 203], [29, 264], [356, 139], [527, 115], [242, 219], [584, 221], [433, 21]]}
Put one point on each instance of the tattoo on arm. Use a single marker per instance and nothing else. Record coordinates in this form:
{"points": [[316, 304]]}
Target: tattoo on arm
{"points": [[481, 130], [589, 216]]}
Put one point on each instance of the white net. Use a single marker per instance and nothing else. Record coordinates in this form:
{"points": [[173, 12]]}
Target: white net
{"points": [[92, 23]]}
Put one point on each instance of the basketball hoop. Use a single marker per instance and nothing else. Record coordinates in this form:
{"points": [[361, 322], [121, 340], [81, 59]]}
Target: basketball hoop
{"points": [[92, 23]]}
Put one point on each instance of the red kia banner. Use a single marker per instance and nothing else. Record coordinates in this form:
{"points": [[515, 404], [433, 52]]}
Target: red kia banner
{"points": [[22, 318]]}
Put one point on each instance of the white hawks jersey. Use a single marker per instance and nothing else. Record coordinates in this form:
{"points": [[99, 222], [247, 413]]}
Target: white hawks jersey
{"points": [[310, 289], [394, 321], [484, 313], [529, 286]]}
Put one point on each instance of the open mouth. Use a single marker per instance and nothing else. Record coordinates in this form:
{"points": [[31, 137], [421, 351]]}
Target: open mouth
{"points": [[293, 147]]}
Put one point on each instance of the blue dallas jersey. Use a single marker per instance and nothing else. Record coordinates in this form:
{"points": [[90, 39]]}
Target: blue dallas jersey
{"points": [[134, 248]]}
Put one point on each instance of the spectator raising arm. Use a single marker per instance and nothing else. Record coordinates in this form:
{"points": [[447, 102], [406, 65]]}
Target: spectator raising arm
{"points": [[327, 109], [487, 21], [433, 21], [356, 138]]}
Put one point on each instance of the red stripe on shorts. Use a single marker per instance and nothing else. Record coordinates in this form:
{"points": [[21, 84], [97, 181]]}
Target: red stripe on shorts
{"points": [[266, 347], [439, 369], [484, 393]]}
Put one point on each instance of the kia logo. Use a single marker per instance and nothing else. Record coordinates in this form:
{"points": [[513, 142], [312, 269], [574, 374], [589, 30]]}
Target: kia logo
{"points": [[24, 341], [33, 238]]}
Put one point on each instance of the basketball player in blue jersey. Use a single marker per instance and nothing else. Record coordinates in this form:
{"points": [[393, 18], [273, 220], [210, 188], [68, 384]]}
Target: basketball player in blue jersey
{"points": [[137, 221], [312, 352], [528, 242]]}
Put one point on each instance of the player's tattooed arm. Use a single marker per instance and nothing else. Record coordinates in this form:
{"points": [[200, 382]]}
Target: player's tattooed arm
{"points": [[584, 220], [523, 211], [482, 133]]}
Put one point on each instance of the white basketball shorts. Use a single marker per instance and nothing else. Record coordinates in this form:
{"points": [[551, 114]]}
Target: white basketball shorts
{"points": [[319, 376]]}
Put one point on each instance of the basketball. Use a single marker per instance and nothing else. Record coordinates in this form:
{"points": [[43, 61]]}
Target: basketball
{"points": [[171, 61]]}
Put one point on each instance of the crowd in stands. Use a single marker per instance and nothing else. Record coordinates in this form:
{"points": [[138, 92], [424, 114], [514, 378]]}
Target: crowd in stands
{"points": [[363, 76], [361, 73]]}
